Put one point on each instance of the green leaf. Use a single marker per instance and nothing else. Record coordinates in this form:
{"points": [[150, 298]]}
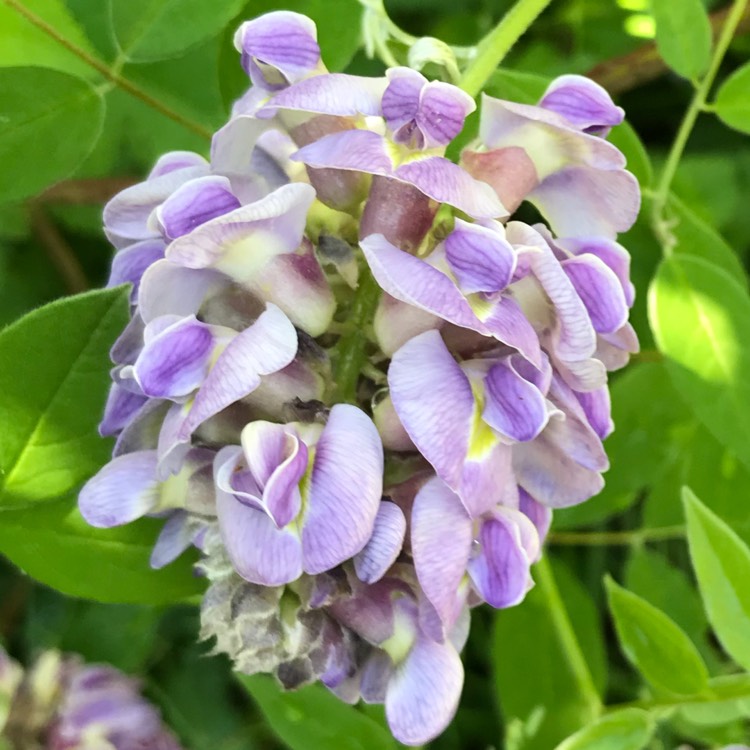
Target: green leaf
{"points": [[733, 100], [52, 394], [148, 30], [314, 719], [722, 566], [54, 545], [655, 645], [683, 35], [525, 642], [697, 238], [338, 23], [628, 729], [49, 122], [700, 316], [22, 43]]}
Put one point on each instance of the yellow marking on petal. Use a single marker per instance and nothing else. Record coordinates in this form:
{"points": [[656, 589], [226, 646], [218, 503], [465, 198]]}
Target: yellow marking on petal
{"points": [[482, 438], [243, 258], [404, 635], [481, 306]]}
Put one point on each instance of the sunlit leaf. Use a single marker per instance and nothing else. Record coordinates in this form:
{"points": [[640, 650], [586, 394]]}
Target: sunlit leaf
{"points": [[683, 35], [733, 100], [54, 545], [700, 316], [721, 561], [38, 106], [655, 645], [628, 729], [52, 390]]}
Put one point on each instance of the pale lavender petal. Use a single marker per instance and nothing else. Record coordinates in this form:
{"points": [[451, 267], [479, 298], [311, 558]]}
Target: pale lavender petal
{"points": [[600, 291], [441, 540], [411, 280], [400, 102], [500, 571], [446, 182], [442, 111], [174, 160], [513, 406], [142, 431], [121, 407], [574, 336], [259, 551], [422, 695], [175, 362], [540, 515], [392, 432], [174, 538], [267, 346], [281, 40], [480, 257], [335, 94], [550, 475], [239, 242], [384, 546], [614, 255], [169, 289], [130, 263], [232, 150], [596, 405], [195, 203], [277, 459], [486, 475], [614, 349], [376, 674], [126, 215], [231, 478], [360, 150], [171, 450], [344, 490], [396, 322], [586, 202], [129, 343], [434, 401], [124, 489], [583, 103]]}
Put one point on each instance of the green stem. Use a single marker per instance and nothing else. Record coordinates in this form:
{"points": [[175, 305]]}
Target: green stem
{"points": [[493, 48], [111, 74], [697, 105], [349, 356], [606, 538], [568, 641]]}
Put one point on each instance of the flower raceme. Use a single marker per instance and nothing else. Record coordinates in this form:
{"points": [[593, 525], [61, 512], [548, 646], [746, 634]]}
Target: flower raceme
{"points": [[345, 540]]}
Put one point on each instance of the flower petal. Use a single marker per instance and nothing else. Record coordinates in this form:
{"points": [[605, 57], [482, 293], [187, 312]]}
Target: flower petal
{"points": [[513, 406], [121, 407], [434, 401], [280, 40], [396, 322], [336, 94], [130, 263], [501, 570], [583, 103], [422, 696], [359, 150], [344, 491], [480, 257], [124, 489], [441, 539], [442, 111], [446, 182], [384, 546], [174, 538], [400, 102], [195, 203], [267, 346], [175, 362]]}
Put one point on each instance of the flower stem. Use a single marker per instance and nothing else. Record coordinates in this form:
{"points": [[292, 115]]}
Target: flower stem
{"points": [[571, 649], [111, 74], [493, 48], [349, 355], [697, 105]]}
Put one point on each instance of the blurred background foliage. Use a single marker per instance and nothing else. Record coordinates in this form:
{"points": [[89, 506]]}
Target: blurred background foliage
{"points": [[154, 82]]}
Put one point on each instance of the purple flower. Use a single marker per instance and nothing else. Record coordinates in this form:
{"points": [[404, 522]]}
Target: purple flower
{"points": [[297, 498], [552, 156]]}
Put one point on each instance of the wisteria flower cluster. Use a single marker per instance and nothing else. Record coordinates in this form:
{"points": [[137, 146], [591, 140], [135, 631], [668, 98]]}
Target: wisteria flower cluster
{"points": [[60, 703], [352, 378]]}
